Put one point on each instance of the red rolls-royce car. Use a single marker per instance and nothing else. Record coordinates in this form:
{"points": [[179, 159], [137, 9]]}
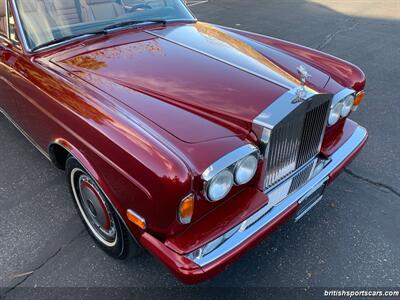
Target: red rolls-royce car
{"points": [[191, 140]]}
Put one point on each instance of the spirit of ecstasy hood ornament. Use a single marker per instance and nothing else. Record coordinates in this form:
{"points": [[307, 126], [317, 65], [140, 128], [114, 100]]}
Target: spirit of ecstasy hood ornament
{"points": [[301, 92]]}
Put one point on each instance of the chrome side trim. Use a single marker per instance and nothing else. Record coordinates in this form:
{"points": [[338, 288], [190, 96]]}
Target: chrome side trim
{"points": [[228, 160], [268, 213], [341, 95], [25, 134]]}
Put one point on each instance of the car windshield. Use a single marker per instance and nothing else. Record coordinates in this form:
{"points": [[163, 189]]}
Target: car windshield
{"points": [[47, 22]]}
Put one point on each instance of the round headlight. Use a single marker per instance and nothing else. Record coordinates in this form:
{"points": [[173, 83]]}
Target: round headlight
{"points": [[334, 115], [348, 103], [220, 186], [246, 169]]}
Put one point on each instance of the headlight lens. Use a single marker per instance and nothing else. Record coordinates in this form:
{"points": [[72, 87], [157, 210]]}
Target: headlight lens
{"points": [[348, 103], [245, 169], [344, 106], [220, 186], [334, 115]]}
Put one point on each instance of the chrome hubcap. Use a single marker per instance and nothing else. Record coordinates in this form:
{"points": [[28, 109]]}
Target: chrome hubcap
{"points": [[94, 208]]}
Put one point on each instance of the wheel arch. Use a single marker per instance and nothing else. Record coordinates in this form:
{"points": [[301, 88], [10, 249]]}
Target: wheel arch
{"points": [[59, 151]]}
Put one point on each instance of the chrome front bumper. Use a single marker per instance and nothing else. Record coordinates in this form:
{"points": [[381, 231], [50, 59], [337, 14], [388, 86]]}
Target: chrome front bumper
{"points": [[278, 204]]}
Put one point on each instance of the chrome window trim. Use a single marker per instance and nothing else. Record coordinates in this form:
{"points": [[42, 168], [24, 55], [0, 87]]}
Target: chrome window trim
{"points": [[228, 160], [270, 213], [58, 44], [20, 28], [7, 2], [8, 39]]}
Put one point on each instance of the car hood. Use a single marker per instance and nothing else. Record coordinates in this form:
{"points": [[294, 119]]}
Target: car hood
{"points": [[184, 77]]}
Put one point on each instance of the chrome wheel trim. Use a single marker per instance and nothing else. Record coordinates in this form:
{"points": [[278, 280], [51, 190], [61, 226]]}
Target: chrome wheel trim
{"points": [[106, 237]]}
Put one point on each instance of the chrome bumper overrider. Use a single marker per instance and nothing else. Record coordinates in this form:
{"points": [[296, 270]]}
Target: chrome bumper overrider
{"points": [[239, 234]]}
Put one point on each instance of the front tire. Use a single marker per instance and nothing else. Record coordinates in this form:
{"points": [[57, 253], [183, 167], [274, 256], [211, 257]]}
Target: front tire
{"points": [[97, 213]]}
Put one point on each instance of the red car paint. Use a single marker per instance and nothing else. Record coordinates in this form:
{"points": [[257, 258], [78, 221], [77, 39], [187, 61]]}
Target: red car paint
{"points": [[147, 111]]}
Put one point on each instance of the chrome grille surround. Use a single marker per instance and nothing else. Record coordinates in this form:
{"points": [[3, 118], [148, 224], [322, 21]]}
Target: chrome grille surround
{"points": [[295, 131]]}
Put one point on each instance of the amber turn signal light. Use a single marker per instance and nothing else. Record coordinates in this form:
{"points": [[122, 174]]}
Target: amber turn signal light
{"points": [[136, 219], [359, 98], [186, 209]]}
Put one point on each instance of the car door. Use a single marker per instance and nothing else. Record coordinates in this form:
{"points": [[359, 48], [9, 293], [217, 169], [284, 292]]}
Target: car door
{"points": [[30, 108], [7, 47], [15, 84]]}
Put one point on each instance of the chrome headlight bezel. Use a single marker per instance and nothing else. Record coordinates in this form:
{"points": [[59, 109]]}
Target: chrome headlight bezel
{"points": [[228, 163], [340, 106]]}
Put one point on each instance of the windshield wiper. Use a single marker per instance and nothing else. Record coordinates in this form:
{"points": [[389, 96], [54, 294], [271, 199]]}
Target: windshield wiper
{"points": [[67, 38], [134, 22], [100, 32]]}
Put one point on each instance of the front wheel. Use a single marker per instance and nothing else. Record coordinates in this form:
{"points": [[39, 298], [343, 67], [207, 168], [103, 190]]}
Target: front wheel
{"points": [[97, 214]]}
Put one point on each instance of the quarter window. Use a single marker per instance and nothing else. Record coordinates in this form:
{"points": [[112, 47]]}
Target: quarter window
{"points": [[3, 18], [7, 22], [11, 24]]}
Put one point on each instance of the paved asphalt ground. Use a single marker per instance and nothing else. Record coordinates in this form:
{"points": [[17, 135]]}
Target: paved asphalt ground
{"points": [[352, 239]]}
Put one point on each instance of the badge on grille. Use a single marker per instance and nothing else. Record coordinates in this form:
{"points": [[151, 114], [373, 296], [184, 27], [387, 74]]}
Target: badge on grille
{"points": [[301, 92]]}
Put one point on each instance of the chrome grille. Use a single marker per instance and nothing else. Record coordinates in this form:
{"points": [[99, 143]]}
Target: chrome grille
{"points": [[314, 125], [294, 142]]}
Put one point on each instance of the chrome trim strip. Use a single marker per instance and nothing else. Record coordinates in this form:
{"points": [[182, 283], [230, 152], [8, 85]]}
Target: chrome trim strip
{"points": [[228, 160], [221, 60], [341, 95], [8, 20], [19, 24], [58, 44], [269, 214], [25, 134]]}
